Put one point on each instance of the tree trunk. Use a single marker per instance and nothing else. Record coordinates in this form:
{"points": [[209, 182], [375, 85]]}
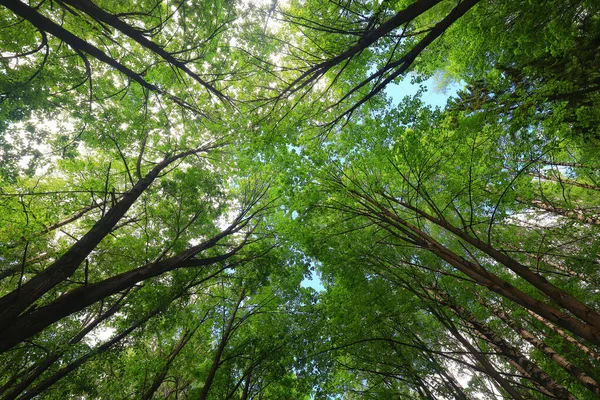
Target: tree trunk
{"points": [[224, 339], [160, 377], [575, 372], [486, 365], [510, 352], [51, 359], [567, 337], [29, 324], [15, 302], [485, 278]]}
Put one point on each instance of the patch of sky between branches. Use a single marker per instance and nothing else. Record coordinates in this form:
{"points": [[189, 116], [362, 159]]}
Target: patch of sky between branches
{"points": [[314, 281], [436, 91]]}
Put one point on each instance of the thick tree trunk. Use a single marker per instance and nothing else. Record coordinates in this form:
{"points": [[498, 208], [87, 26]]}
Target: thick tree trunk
{"points": [[564, 299], [32, 323], [51, 359], [15, 302], [485, 278]]}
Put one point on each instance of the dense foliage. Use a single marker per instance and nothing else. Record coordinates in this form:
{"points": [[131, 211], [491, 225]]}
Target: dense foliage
{"points": [[172, 173]]}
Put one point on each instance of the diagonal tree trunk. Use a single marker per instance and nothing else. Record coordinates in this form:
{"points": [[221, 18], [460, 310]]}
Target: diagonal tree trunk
{"points": [[223, 342], [15, 302], [575, 372]]}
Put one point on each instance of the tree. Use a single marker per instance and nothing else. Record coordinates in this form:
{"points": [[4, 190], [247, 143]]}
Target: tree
{"points": [[171, 171]]}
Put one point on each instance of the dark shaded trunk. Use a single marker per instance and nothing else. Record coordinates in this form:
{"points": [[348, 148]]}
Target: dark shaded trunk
{"points": [[224, 339], [564, 299], [160, 377], [100, 15], [15, 302], [34, 322], [33, 375], [402, 17], [47, 25], [66, 370]]}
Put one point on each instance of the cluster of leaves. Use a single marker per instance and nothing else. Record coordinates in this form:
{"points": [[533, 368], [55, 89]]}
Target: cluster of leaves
{"points": [[171, 171]]}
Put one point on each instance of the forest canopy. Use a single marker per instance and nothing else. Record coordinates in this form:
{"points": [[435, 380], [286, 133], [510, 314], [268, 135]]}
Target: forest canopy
{"points": [[227, 200]]}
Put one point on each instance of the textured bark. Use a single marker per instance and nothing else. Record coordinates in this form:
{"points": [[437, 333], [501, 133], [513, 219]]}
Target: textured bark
{"points": [[566, 300], [567, 337], [416, 236], [525, 374], [507, 350], [35, 373], [572, 369], [572, 214], [565, 181], [29, 324], [223, 342]]}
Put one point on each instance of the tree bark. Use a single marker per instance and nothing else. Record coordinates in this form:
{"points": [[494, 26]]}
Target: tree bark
{"points": [[591, 353], [15, 302], [575, 372], [566, 300], [224, 339], [482, 276], [51, 359], [29, 324], [485, 363], [510, 352]]}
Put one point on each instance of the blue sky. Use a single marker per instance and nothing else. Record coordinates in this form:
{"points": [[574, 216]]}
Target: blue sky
{"points": [[432, 96]]}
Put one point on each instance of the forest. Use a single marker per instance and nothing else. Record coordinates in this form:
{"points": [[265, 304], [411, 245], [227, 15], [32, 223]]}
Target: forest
{"points": [[240, 199]]}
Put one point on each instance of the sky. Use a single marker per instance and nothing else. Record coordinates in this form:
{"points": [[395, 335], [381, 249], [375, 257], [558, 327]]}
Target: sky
{"points": [[433, 96]]}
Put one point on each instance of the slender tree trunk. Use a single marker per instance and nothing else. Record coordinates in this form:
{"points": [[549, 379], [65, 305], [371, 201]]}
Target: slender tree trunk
{"points": [[160, 377], [567, 337], [510, 352], [574, 215], [224, 339], [575, 372], [66, 370], [565, 181], [485, 364], [246, 390]]}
